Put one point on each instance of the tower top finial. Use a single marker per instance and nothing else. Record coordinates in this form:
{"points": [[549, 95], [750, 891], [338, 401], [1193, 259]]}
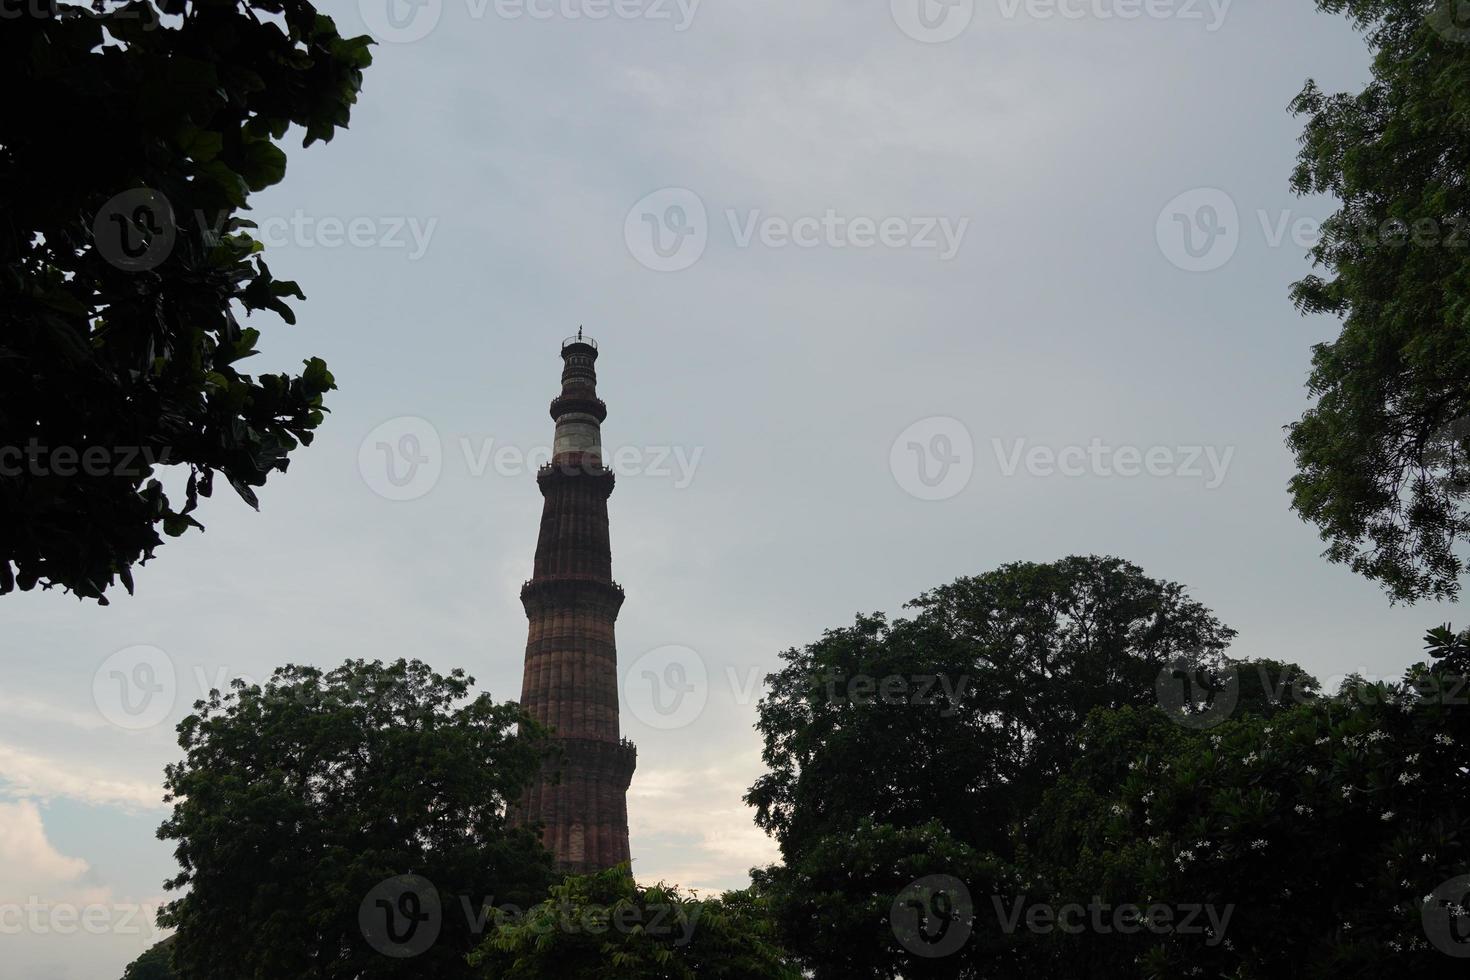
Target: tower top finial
{"points": [[580, 337]]}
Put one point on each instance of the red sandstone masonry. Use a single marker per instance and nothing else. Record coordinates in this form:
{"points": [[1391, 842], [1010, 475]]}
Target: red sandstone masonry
{"points": [[570, 682]]}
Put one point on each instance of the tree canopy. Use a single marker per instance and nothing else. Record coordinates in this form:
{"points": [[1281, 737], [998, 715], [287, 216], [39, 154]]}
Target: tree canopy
{"points": [[992, 676], [1322, 836], [1383, 454], [154, 964], [124, 267], [910, 746], [1247, 826], [606, 927], [347, 824]]}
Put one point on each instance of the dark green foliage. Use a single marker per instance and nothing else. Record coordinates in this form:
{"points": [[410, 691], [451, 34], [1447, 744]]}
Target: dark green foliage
{"points": [[119, 334], [839, 904], [1021, 656], [154, 964], [1383, 456], [605, 927], [296, 800], [999, 672], [1294, 834], [1270, 686], [1321, 829]]}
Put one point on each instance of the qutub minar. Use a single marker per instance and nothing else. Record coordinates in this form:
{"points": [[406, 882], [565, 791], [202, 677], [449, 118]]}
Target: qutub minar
{"points": [[571, 678]]}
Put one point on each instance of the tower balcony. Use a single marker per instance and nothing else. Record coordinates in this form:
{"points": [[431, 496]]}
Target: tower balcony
{"points": [[585, 469], [569, 590], [580, 404]]}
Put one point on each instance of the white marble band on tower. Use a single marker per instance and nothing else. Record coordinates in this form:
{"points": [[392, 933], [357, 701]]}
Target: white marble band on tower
{"points": [[578, 432]]}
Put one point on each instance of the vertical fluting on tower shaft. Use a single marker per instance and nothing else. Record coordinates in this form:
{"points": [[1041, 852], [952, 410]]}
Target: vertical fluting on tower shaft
{"points": [[570, 683]]}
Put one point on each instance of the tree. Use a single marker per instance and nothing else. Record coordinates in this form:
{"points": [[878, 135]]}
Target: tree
{"points": [[144, 129], [887, 901], [993, 677], [955, 720], [1383, 456], [154, 964], [1323, 836], [345, 824], [605, 927]]}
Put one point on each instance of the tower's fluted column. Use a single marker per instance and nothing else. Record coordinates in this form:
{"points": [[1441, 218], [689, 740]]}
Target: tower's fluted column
{"points": [[571, 676]]}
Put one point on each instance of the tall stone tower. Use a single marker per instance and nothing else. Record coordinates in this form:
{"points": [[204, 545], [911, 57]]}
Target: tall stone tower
{"points": [[571, 678]]}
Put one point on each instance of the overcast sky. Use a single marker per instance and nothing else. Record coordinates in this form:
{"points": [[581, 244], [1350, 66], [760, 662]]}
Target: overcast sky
{"points": [[884, 299]]}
